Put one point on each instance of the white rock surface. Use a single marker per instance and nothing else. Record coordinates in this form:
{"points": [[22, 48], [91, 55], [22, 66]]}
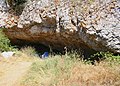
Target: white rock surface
{"points": [[63, 25], [7, 54]]}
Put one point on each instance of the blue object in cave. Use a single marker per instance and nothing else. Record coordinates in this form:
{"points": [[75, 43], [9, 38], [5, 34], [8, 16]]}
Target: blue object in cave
{"points": [[45, 55]]}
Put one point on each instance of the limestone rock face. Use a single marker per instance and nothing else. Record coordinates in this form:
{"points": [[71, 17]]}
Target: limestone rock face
{"points": [[62, 25], [7, 20], [3, 14], [3, 5]]}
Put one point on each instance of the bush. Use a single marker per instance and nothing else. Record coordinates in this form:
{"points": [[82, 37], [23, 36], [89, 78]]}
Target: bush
{"points": [[5, 43], [105, 56]]}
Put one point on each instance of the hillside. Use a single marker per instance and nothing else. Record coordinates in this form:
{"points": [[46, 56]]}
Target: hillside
{"points": [[59, 42]]}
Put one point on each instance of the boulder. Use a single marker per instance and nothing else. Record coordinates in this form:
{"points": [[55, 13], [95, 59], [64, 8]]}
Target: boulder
{"points": [[7, 54], [64, 24]]}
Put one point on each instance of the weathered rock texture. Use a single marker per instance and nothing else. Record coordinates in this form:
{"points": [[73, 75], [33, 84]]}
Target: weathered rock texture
{"points": [[7, 20], [60, 24]]}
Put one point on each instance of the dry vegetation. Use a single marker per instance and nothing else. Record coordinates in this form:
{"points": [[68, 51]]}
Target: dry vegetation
{"points": [[13, 69], [64, 70], [67, 71]]}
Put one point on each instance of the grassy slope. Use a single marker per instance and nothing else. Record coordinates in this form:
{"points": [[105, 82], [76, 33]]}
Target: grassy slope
{"points": [[64, 71]]}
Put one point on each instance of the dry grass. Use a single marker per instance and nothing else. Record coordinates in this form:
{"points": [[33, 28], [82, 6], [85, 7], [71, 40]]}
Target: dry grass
{"points": [[89, 75], [59, 71], [11, 71], [64, 71], [13, 68], [24, 55]]}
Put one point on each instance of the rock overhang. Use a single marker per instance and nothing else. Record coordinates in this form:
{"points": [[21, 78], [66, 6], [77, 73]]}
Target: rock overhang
{"points": [[58, 27]]}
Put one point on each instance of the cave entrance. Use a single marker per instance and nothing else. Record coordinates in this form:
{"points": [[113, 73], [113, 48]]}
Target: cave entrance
{"points": [[39, 48]]}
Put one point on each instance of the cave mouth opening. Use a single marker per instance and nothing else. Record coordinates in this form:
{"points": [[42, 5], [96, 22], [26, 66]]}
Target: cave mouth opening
{"points": [[39, 48]]}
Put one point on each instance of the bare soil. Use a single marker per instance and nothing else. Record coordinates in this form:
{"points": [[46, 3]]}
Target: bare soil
{"points": [[12, 72]]}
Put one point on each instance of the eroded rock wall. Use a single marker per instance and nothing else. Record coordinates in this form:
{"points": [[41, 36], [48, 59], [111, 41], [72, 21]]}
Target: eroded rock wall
{"points": [[63, 24]]}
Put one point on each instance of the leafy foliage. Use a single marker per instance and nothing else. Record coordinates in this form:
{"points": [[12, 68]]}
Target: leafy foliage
{"points": [[4, 43], [101, 55]]}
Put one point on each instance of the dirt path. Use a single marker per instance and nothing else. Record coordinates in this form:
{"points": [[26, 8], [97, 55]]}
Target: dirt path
{"points": [[13, 73]]}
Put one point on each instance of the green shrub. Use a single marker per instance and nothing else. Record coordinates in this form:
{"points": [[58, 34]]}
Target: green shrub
{"points": [[101, 55], [106, 56], [4, 43]]}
